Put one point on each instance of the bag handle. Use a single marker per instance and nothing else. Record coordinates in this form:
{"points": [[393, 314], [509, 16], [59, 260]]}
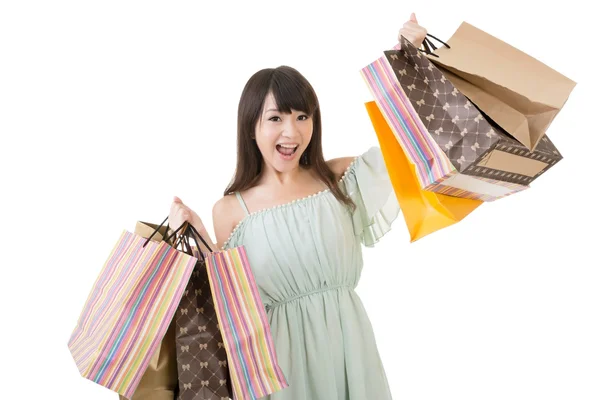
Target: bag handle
{"points": [[179, 240], [428, 44], [195, 232], [168, 238], [192, 232], [188, 248], [186, 228]]}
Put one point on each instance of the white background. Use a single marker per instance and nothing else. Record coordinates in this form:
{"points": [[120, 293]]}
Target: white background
{"points": [[109, 109]]}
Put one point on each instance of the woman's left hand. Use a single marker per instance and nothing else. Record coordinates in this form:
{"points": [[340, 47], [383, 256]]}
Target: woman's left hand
{"points": [[414, 32]]}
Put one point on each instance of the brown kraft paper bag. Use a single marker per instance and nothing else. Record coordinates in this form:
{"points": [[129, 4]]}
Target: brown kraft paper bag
{"points": [[520, 93], [517, 92], [475, 144]]}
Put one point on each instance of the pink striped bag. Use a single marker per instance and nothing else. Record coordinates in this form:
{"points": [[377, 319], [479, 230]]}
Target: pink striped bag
{"points": [[128, 311], [246, 333]]}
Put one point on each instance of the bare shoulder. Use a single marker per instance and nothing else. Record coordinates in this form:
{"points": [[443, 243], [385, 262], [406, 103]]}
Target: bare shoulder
{"points": [[226, 214], [340, 165]]}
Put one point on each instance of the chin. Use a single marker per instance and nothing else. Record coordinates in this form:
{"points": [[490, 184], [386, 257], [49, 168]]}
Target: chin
{"points": [[285, 166]]}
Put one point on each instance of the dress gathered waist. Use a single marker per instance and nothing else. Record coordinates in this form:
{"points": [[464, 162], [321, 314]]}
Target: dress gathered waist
{"points": [[319, 290]]}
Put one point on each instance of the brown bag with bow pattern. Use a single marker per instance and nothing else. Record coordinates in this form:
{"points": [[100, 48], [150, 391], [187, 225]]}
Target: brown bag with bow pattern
{"points": [[203, 372]]}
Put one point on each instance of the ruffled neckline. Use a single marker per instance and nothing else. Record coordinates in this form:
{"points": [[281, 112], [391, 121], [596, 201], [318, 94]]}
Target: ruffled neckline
{"points": [[289, 203]]}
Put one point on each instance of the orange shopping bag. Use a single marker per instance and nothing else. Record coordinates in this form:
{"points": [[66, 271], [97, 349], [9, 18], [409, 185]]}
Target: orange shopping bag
{"points": [[425, 212]]}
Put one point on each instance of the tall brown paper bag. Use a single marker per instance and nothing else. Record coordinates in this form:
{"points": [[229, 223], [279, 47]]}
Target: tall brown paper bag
{"points": [[159, 382], [518, 92]]}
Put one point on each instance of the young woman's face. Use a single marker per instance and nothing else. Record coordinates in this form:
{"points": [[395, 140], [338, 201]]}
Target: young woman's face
{"points": [[281, 137]]}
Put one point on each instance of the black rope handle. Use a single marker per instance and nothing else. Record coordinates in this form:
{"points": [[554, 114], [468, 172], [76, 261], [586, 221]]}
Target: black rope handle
{"points": [[186, 245], [179, 241], [167, 231], [189, 247], [195, 232], [428, 44], [186, 226], [427, 48]]}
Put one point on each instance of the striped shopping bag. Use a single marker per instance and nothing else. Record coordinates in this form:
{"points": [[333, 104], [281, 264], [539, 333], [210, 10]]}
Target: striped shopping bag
{"points": [[246, 333], [129, 309]]}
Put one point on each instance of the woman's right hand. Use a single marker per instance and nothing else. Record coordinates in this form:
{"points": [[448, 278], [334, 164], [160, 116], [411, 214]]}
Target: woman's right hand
{"points": [[181, 213], [412, 31]]}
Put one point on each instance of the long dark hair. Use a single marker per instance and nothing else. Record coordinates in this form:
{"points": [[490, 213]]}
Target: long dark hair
{"points": [[291, 90]]}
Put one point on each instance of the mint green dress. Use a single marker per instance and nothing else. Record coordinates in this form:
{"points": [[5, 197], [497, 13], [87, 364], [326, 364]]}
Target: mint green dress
{"points": [[306, 257]]}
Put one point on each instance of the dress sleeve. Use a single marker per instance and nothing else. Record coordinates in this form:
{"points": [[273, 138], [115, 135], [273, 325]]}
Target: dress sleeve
{"points": [[368, 184]]}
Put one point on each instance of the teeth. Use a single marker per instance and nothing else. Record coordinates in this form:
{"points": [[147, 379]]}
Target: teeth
{"points": [[289, 146]]}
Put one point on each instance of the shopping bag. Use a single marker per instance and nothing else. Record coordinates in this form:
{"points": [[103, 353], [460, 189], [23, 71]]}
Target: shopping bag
{"points": [[159, 381], [437, 158], [478, 118], [439, 154], [252, 359], [202, 367], [518, 92], [424, 212], [128, 311]]}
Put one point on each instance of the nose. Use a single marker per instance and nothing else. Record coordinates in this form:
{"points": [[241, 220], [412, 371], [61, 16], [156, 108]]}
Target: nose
{"points": [[290, 128]]}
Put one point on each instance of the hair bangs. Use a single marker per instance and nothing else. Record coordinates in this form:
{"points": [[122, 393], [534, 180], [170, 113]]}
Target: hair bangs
{"points": [[293, 93]]}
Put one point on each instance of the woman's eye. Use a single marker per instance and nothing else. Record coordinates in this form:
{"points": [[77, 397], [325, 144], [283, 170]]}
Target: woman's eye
{"points": [[301, 118]]}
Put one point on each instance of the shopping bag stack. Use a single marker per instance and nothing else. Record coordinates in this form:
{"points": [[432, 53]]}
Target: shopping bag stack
{"points": [[463, 124], [131, 339]]}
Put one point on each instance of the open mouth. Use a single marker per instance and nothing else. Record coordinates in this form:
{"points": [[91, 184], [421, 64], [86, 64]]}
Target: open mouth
{"points": [[287, 149]]}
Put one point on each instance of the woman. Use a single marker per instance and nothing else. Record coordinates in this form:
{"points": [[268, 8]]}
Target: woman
{"points": [[302, 220]]}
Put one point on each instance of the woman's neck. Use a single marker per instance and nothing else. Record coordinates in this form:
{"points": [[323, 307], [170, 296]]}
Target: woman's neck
{"points": [[271, 177]]}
